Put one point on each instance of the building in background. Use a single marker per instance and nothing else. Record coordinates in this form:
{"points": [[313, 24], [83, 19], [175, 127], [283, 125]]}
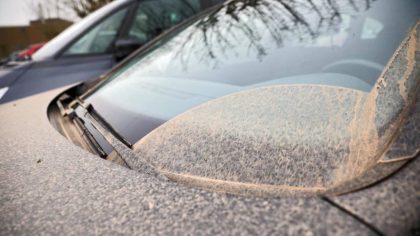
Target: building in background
{"points": [[13, 38]]}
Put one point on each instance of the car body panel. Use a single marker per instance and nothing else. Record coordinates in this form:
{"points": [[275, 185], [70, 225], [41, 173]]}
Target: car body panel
{"points": [[48, 186], [41, 76], [9, 75]]}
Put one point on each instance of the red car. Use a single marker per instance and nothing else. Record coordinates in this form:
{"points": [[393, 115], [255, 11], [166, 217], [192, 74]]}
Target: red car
{"points": [[27, 53]]}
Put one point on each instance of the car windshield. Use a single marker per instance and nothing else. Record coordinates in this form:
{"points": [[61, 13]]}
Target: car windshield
{"points": [[245, 44]]}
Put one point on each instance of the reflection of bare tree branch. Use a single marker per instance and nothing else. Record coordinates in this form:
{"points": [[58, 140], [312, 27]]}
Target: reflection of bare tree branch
{"points": [[244, 22], [353, 4], [45, 9], [244, 29], [367, 4], [85, 7], [297, 18], [315, 8]]}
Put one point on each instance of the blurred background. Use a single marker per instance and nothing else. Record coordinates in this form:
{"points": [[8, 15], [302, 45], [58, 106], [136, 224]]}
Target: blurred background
{"points": [[25, 25]]}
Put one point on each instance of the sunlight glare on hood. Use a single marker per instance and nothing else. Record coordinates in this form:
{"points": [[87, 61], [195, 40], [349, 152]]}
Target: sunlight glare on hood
{"points": [[3, 91]]}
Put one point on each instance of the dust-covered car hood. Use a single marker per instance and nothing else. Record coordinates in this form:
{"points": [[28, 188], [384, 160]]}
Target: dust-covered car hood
{"points": [[48, 185]]}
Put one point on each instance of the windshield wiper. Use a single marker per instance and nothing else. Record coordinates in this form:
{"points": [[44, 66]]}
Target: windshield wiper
{"points": [[91, 115], [96, 119], [120, 145], [88, 137], [81, 128]]}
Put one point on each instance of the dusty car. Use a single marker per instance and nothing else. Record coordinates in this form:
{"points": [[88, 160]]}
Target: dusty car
{"points": [[257, 117], [92, 46]]}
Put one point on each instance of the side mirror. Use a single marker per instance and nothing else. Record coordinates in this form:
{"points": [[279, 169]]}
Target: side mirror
{"points": [[124, 47]]}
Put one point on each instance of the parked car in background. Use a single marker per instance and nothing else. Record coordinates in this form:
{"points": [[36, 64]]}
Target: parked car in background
{"points": [[92, 46], [28, 52], [22, 55]]}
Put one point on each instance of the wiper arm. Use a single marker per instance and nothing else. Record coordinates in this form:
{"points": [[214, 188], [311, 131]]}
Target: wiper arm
{"points": [[88, 137], [81, 128], [90, 114], [97, 119], [120, 145]]}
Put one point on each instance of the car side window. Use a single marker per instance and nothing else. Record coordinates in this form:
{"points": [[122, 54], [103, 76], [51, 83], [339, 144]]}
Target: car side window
{"points": [[153, 17], [99, 38]]}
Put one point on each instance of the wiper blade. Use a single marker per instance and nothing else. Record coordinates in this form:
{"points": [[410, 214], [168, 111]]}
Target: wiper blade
{"points": [[91, 115], [121, 146], [97, 119], [85, 134], [88, 137]]}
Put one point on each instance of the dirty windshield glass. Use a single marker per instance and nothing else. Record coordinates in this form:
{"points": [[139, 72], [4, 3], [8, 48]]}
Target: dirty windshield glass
{"points": [[246, 44]]}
